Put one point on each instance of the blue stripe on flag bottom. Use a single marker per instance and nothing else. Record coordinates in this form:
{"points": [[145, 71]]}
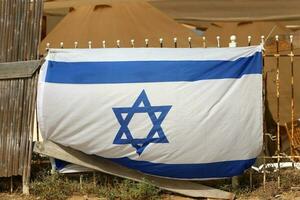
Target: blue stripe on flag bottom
{"points": [[150, 71], [60, 164], [189, 171]]}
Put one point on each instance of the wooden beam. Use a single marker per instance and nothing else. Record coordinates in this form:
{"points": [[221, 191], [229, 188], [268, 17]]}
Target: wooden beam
{"points": [[186, 188], [22, 69]]}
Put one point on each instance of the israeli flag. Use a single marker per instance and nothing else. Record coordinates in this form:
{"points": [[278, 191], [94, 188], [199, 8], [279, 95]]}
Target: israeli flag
{"points": [[179, 113]]}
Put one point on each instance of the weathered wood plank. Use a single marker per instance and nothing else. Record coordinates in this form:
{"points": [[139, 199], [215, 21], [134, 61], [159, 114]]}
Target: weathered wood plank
{"points": [[22, 69], [186, 188]]}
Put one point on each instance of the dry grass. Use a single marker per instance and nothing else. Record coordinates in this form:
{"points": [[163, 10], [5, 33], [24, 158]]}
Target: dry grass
{"points": [[48, 187], [128, 190], [15, 196], [59, 187], [289, 179]]}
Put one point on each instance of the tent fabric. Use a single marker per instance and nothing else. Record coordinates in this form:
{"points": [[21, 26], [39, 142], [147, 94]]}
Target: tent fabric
{"points": [[194, 10], [225, 10], [124, 21]]}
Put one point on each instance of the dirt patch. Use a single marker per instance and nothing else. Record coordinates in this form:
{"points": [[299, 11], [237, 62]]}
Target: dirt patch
{"points": [[15, 196], [289, 187]]}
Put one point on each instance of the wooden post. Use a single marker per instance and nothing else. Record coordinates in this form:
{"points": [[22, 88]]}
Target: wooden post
{"points": [[277, 55], [292, 145], [235, 183], [80, 181], [251, 179], [94, 179], [11, 184]]}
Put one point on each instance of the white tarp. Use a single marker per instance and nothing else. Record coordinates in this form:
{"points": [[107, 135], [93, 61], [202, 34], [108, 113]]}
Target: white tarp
{"points": [[179, 113]]}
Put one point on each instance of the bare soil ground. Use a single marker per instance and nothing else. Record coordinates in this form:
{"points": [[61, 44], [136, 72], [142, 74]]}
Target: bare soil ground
{"points": [[18, 196], [256, 195]]}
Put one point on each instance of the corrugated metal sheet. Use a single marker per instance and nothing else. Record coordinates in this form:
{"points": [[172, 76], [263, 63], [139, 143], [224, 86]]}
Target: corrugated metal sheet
{"points": [[13, 135], [17, 107], [20, 28]]}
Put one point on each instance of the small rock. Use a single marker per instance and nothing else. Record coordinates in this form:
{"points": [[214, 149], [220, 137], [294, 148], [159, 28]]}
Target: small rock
{"points": [[277, 196]]}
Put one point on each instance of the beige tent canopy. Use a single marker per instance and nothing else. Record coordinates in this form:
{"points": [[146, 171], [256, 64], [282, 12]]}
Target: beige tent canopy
{"points": [[118, 20], [229, 10], [198, 13], [205, 10]]}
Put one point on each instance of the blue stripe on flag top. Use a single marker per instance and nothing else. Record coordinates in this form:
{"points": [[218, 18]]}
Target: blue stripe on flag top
{"points": [[150, 71]]}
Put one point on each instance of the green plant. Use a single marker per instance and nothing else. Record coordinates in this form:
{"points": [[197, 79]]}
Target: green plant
{"points": [[128, 190], [48, 187]]}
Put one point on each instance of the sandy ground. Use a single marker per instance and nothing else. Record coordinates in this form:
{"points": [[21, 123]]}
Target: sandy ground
{"points": [[7, 196], [285, 196]]}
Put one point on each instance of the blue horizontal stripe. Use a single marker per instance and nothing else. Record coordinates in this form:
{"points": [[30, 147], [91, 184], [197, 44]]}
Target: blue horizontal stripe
{"points": [[150, 71], [60, 164], [189, 171], [182, 171]]}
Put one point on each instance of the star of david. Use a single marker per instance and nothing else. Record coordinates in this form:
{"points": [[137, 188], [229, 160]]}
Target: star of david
{"points": [[142, 105]]}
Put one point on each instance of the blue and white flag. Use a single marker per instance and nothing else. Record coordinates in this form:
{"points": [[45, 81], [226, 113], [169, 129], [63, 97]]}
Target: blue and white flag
{"points": [[179, 113]]}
